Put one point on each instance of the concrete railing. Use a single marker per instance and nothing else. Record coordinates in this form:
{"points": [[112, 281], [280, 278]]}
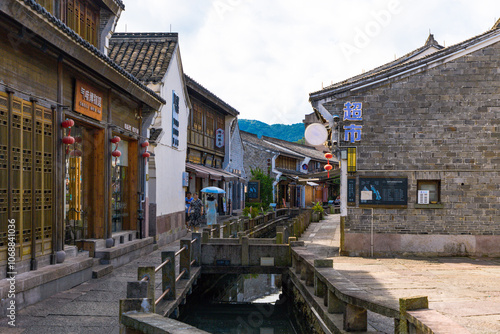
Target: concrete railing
{"points": [[141, 293], [338, 295]]}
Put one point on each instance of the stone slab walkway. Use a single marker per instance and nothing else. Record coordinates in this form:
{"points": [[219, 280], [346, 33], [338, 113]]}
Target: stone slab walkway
{"points": [[465, 289], [91, 307]]}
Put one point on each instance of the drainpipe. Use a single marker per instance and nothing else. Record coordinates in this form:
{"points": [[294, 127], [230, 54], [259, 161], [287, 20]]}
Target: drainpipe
{"points": [[278, 175]]}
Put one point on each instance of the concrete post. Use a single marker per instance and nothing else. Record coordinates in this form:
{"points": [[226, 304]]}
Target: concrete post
{"points": [[245, 251], [206, 235], [279, 238], [335, 305], [309, 276], [168, 275], [136, 301], [408, 304], [216, 233], [296, 228], [148, 272], [319, 286], [355, 319], [233, 230], [196, 249], [226, 231], [185, 258]]}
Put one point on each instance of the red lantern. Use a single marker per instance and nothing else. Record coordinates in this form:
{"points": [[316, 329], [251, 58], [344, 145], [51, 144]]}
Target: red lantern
{"points": [[328, 168], [68, 140], [328, 156], [146, 155], [115, 140], [116, 154], [145, 144], [67, 123]]}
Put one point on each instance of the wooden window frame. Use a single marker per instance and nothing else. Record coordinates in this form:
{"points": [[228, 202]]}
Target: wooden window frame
{"points": [[437, 183]]}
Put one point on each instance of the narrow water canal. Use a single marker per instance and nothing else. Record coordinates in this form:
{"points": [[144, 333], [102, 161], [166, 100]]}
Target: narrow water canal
{"points": [[240, 304]]}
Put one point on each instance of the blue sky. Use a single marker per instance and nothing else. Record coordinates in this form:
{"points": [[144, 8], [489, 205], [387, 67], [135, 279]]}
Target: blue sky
{"points": [[265, 57]]}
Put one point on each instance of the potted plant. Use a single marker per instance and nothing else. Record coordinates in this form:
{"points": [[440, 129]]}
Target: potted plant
{"points": [[318, 212]]}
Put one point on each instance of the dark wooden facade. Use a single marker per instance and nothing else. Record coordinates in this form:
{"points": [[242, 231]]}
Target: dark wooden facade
{"points": [[45, 184]]}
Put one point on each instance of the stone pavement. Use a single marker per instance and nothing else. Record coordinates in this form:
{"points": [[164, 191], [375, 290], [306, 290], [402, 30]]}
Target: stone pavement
{"points": [[91, 307], [465, 289]]}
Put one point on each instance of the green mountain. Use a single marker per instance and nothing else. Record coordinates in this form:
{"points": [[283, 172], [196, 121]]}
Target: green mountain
{"points": [[291, 132]]}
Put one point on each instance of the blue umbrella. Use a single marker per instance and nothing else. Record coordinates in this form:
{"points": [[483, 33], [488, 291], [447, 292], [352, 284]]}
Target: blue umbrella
{"points": [[213, 190]]}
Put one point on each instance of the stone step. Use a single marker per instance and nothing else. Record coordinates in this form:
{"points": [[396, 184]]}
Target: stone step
{"points": [[101, 270], [124, 253]]}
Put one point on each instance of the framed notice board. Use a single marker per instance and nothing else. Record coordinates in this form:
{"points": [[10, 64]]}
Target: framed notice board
{"points": [[351, 191], [383, 191], [253, 191]]}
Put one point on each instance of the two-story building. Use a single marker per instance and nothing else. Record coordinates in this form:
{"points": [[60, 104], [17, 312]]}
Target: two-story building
{"points": [[155, 59], [298, 170], [214, 156], [426, 131], [71, 133]]}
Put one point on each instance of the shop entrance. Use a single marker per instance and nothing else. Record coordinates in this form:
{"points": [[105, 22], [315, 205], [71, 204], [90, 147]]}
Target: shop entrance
{"points": [[78, 158], [84, 184], [119, 188]]}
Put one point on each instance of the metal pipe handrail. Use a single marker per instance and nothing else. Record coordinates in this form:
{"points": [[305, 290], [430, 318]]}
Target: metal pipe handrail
{"points": [[180, 250], [162, 265], [162, 295], [144, 279], [193, 262], [180, 275], [193, 241]]}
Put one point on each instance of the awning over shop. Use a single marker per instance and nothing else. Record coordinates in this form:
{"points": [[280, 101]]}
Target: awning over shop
{"points": [[312, 184], [212, 173]]}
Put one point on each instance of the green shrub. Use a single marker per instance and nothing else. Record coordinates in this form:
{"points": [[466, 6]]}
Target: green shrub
{"points": [[318, 207], [246, 211], [254, 212]]}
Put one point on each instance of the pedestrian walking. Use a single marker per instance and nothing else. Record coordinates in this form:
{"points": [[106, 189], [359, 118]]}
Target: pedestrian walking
{"points": [[211, 210], [195, 212], [188, 201]]}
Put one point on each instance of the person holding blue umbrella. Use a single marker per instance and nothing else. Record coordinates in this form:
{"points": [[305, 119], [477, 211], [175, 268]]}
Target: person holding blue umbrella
{"points": [[211, 210], [212, 203]]}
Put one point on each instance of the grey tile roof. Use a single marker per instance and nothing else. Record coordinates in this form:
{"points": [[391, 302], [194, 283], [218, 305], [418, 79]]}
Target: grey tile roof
{"points": [[251, 139], [430, 43], [85, 44], [195, 86], [144, 55], [403, 64], [303, 150]]}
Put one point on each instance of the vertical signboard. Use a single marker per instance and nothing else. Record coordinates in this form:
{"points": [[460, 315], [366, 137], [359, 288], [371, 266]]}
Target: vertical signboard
{"points": [[175, 120], [351, 191]]}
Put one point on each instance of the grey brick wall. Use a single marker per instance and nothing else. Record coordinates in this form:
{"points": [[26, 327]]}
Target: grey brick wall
{"points": [[255, 158], [443, 124]]}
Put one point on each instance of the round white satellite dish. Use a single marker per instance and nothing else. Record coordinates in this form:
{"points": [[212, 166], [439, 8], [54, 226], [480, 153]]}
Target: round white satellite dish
{"points": [[316, 134]]}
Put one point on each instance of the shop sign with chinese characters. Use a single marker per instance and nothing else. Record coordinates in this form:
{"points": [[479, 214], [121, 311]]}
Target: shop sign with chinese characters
{"points": [[88, 100], [353, 112], [219, 138]]}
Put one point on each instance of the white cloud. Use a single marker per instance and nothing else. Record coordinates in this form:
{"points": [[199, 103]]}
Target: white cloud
{"points": [[264, 57]]}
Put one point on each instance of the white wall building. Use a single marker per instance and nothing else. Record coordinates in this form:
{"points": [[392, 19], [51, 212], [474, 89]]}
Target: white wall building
{"points": [[155, 59]]}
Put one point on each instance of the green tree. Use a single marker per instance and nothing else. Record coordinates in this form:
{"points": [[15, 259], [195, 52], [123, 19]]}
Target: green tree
{"points": [[266, 186]]}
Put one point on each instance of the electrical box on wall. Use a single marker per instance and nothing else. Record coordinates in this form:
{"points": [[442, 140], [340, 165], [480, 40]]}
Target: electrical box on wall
{"points": [[185, 179]]}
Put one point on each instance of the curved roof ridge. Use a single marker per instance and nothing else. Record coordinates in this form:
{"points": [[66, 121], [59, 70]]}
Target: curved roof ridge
{"points": [[381, 70]]}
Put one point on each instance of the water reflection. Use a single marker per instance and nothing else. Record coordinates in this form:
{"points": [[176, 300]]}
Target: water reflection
{"points": [[244, 304]]}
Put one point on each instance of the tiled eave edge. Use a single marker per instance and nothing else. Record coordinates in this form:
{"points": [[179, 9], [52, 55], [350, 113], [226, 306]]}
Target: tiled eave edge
{"points": [[66, 40]]}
